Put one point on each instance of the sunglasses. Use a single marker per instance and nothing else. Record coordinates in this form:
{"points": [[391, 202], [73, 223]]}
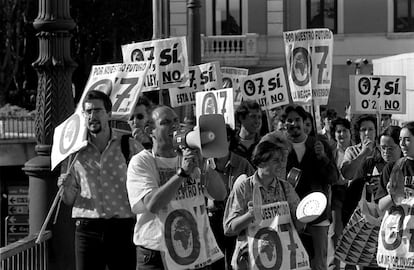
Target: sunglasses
{"points": [[138, 116]]}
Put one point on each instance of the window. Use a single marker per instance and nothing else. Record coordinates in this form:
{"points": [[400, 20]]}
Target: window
{"points": [[403, 15], [322, 14], [227, 16]]}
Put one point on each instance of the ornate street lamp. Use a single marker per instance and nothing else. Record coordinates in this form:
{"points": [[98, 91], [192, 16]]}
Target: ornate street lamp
{"points": [[54, 103]]}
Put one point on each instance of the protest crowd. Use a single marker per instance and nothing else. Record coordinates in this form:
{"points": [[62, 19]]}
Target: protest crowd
{"points": [[289, 186]]}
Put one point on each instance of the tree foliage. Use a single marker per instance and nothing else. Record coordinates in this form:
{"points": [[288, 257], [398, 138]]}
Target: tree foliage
{"points": [[15, 27], [102, 27]]}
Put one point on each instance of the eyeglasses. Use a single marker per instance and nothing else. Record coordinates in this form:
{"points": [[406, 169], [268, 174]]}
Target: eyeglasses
{"points": [[388, 148], [89, 112], [138, 116]]}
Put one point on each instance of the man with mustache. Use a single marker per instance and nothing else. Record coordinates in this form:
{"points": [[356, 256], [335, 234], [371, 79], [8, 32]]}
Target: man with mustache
{"points": [[314, 158], [249, 115], [96, 189]]}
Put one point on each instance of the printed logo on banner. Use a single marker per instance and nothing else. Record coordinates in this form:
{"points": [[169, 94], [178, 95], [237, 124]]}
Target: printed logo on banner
{"points": [[309, 64], [205, 77], [68, 137], [265, 239], [182, 239], [268, 88], [187, 238], [216, 102], [209, 105], [121, 82], [267, 249], [301, 66], [231, 79], [169, 61], [69, 133], [395, 241], [383, 94], [392, 233]]}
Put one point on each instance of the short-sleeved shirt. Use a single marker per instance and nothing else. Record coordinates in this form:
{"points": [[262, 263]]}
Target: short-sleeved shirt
{"points": [[242, 193], [146, 173], [353, 151], [102, 178], [407, 168]]}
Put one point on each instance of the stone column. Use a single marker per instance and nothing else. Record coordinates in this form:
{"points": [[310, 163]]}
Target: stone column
{"points": [[193, 32], [193, 48], [54, 104]]}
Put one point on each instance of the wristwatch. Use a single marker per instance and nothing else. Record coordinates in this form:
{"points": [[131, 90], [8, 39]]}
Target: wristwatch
{"points": [[182, 173]]}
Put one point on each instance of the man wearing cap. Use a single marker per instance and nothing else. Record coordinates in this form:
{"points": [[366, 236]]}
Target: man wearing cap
{"points": [[314, 159]]}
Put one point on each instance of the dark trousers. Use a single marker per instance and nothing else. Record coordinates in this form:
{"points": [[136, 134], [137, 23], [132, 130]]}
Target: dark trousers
{"points": [[105, 244], [225, 243], [149, 259]]}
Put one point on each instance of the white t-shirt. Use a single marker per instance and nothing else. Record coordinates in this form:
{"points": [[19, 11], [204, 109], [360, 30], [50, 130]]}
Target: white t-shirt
{"points": [[300, 149], [144, 175]]}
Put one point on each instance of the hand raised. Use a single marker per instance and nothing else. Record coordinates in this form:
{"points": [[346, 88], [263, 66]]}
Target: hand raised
{"points": [[319, 149], [368, 146], [138, 134], [191, 160]]}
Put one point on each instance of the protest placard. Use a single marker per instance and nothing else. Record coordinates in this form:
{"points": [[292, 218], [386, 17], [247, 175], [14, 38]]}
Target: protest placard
{"points": [[268, 88], [309, 64], [377, 94], [68, 138], [204, 77], [169, 61], [231, 79], [122, 83], [216, 102]]}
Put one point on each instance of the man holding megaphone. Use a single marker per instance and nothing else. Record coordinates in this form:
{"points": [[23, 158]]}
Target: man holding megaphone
{"points": [[166, 191]]}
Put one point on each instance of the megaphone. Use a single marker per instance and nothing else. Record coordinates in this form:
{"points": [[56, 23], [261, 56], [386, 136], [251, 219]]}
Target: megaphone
{"points": [[210, 136]]}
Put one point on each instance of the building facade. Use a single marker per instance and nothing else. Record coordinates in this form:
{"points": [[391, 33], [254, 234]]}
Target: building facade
{"points": [[249, 34]]}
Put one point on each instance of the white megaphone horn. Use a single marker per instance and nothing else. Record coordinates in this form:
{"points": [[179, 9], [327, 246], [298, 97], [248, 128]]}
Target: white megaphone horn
{"points": [[210, 136]]}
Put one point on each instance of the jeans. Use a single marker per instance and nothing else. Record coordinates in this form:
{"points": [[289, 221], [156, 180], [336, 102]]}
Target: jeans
{"points": [[148, 259], [104, 244], [335, 231], [225, 243], [315, 241]]}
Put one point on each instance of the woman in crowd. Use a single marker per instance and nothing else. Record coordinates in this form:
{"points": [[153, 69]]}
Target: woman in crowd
{"points": [[354, 155], [308, 125], [388, 193], [251, 196], [371, 169], [341, 134]]}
